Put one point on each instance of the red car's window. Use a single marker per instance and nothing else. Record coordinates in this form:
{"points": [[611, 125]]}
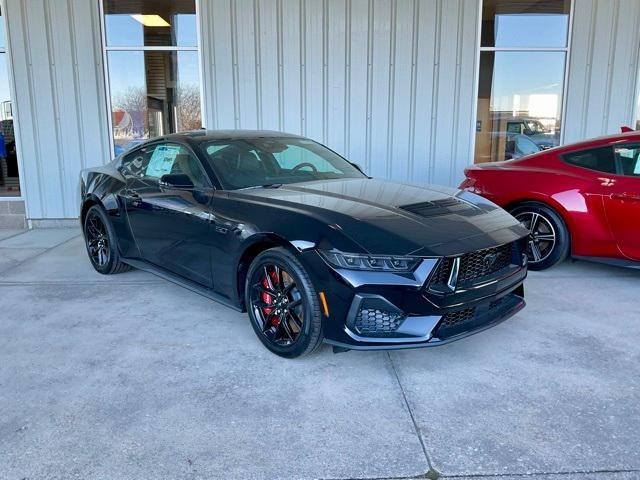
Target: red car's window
{"points": [[598, 159], [628, 160]]}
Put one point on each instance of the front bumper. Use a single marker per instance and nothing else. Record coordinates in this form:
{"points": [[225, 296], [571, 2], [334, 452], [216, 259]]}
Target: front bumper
{"points": [[386, 310]]}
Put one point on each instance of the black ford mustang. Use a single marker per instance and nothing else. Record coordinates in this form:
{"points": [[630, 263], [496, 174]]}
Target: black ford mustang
{"points": [[303, 240]]}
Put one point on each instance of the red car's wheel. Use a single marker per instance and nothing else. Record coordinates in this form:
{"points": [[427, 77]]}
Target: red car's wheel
{"points": [[548, 235]]}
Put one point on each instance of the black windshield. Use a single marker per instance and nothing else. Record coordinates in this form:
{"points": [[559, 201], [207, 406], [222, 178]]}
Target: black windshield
{"points": [[253, 162]]}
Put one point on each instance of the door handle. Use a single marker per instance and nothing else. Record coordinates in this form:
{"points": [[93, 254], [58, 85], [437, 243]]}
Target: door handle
{"points": [[132, 194], [133, 197], [627, 197]]}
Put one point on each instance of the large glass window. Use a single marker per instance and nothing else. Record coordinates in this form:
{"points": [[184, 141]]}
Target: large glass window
{"points": [[153, 69], [9, 181], [521, 80]]}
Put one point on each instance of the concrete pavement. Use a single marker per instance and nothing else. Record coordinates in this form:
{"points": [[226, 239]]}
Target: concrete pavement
{"points": [[129, 376]]}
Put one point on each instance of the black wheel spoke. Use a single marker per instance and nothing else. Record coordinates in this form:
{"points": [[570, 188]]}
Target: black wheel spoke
{"points": [[267, 321], [286, 328], [261, 289], [294, 304], [296, 320]]}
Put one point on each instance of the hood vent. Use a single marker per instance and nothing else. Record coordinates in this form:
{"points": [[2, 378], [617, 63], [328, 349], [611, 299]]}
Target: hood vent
{"points": [[434, 208]]}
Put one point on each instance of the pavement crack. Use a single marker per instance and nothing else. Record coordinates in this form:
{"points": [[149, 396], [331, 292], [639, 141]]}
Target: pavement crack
{"points": [[432, 473], [538, 474]]}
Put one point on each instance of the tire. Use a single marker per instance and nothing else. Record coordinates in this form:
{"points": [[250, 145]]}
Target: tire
{"points": [[101, 242], [543, 223], [274, 318]]}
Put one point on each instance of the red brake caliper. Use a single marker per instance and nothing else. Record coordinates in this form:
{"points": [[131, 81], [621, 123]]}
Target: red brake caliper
{"points": [[267, 299]]}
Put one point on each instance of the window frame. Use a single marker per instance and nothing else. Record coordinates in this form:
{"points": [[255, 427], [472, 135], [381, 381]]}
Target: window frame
{"points": [[480, 49], [142, 48]]}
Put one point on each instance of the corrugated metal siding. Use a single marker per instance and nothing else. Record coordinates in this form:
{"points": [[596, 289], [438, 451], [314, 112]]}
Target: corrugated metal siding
{"points": [[387, 83], [59, 99], [603, 67]]}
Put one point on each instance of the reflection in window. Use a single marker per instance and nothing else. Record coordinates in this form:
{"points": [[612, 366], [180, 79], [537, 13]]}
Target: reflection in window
{"points": [[521, 78], [152, 93], [153, 69], [9, 181], [519, 95], [638, 108]]}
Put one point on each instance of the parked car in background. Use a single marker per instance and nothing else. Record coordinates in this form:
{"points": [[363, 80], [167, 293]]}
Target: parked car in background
{"points": [[518, 146], [312, 248], [533, 128], [579, 200]]}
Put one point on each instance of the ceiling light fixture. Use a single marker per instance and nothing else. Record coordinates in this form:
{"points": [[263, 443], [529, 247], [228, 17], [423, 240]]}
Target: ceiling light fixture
{"points": [[151, 20]]}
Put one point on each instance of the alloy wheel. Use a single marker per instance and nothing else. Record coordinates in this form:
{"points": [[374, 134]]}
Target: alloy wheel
{"points": [[277, 304], [542, 236], [97, 240]]}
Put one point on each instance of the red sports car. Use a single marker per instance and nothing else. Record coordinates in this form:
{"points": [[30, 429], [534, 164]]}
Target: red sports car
{"points": [[581, 200]]}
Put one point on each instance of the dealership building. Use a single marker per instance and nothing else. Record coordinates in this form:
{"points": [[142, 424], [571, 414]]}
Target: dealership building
{"points": [[412, 90]]}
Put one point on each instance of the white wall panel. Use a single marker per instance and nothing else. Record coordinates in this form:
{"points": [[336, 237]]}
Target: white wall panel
{"points": [[388, 83], [59, 99], [603, 67]]}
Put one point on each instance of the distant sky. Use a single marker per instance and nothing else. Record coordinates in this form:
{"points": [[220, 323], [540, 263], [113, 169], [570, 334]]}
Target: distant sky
{"points": [[531, 30]]}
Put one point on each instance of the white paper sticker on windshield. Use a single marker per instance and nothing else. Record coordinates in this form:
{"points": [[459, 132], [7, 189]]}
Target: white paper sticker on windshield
{"points": [[162, 160]]}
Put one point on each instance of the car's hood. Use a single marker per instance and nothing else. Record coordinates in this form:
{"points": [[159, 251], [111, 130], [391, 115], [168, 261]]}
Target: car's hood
{"points": [[397, 218]]}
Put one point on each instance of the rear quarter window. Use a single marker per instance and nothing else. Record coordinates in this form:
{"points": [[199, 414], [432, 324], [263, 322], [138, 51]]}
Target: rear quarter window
{"points": [[596, 159]]}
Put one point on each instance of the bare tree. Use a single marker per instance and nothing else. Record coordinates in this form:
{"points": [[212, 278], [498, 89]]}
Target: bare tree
{"points": [[133, 100], [188, 107]]}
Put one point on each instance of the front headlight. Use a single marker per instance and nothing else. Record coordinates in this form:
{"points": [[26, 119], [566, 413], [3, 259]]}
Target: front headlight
{"points": [[362, 261]]}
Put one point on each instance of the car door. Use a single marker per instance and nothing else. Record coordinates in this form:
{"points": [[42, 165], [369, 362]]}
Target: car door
{"points": [[623, 202], [171, 226]]}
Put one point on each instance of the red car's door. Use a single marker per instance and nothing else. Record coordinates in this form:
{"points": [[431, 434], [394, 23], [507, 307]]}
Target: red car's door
{"points": [[623, 202]]}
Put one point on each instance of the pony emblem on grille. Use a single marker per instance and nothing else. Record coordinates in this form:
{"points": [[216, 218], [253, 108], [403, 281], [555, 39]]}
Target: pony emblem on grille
{"points": [[490, 260]]}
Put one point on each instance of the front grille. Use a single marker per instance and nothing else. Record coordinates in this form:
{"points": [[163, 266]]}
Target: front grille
{"points": [[473, 267], [485, 262], [441, 275], [375, 322]]}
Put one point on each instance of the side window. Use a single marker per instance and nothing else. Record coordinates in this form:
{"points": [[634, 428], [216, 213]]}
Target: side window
{"points": [[151, 163], [628, 160], [185, 163], [598, 159], [294, 155], [135, 164]]}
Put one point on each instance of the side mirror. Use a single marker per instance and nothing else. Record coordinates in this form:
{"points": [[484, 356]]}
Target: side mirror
{"points": [[176, 181]]}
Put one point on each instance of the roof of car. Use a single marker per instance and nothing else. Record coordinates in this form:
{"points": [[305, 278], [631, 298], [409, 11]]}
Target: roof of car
{"points": [[204, 135]]}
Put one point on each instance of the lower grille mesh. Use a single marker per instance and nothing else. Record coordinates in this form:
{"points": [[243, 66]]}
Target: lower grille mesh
{"points": [[468, 318], [374, 322]]}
